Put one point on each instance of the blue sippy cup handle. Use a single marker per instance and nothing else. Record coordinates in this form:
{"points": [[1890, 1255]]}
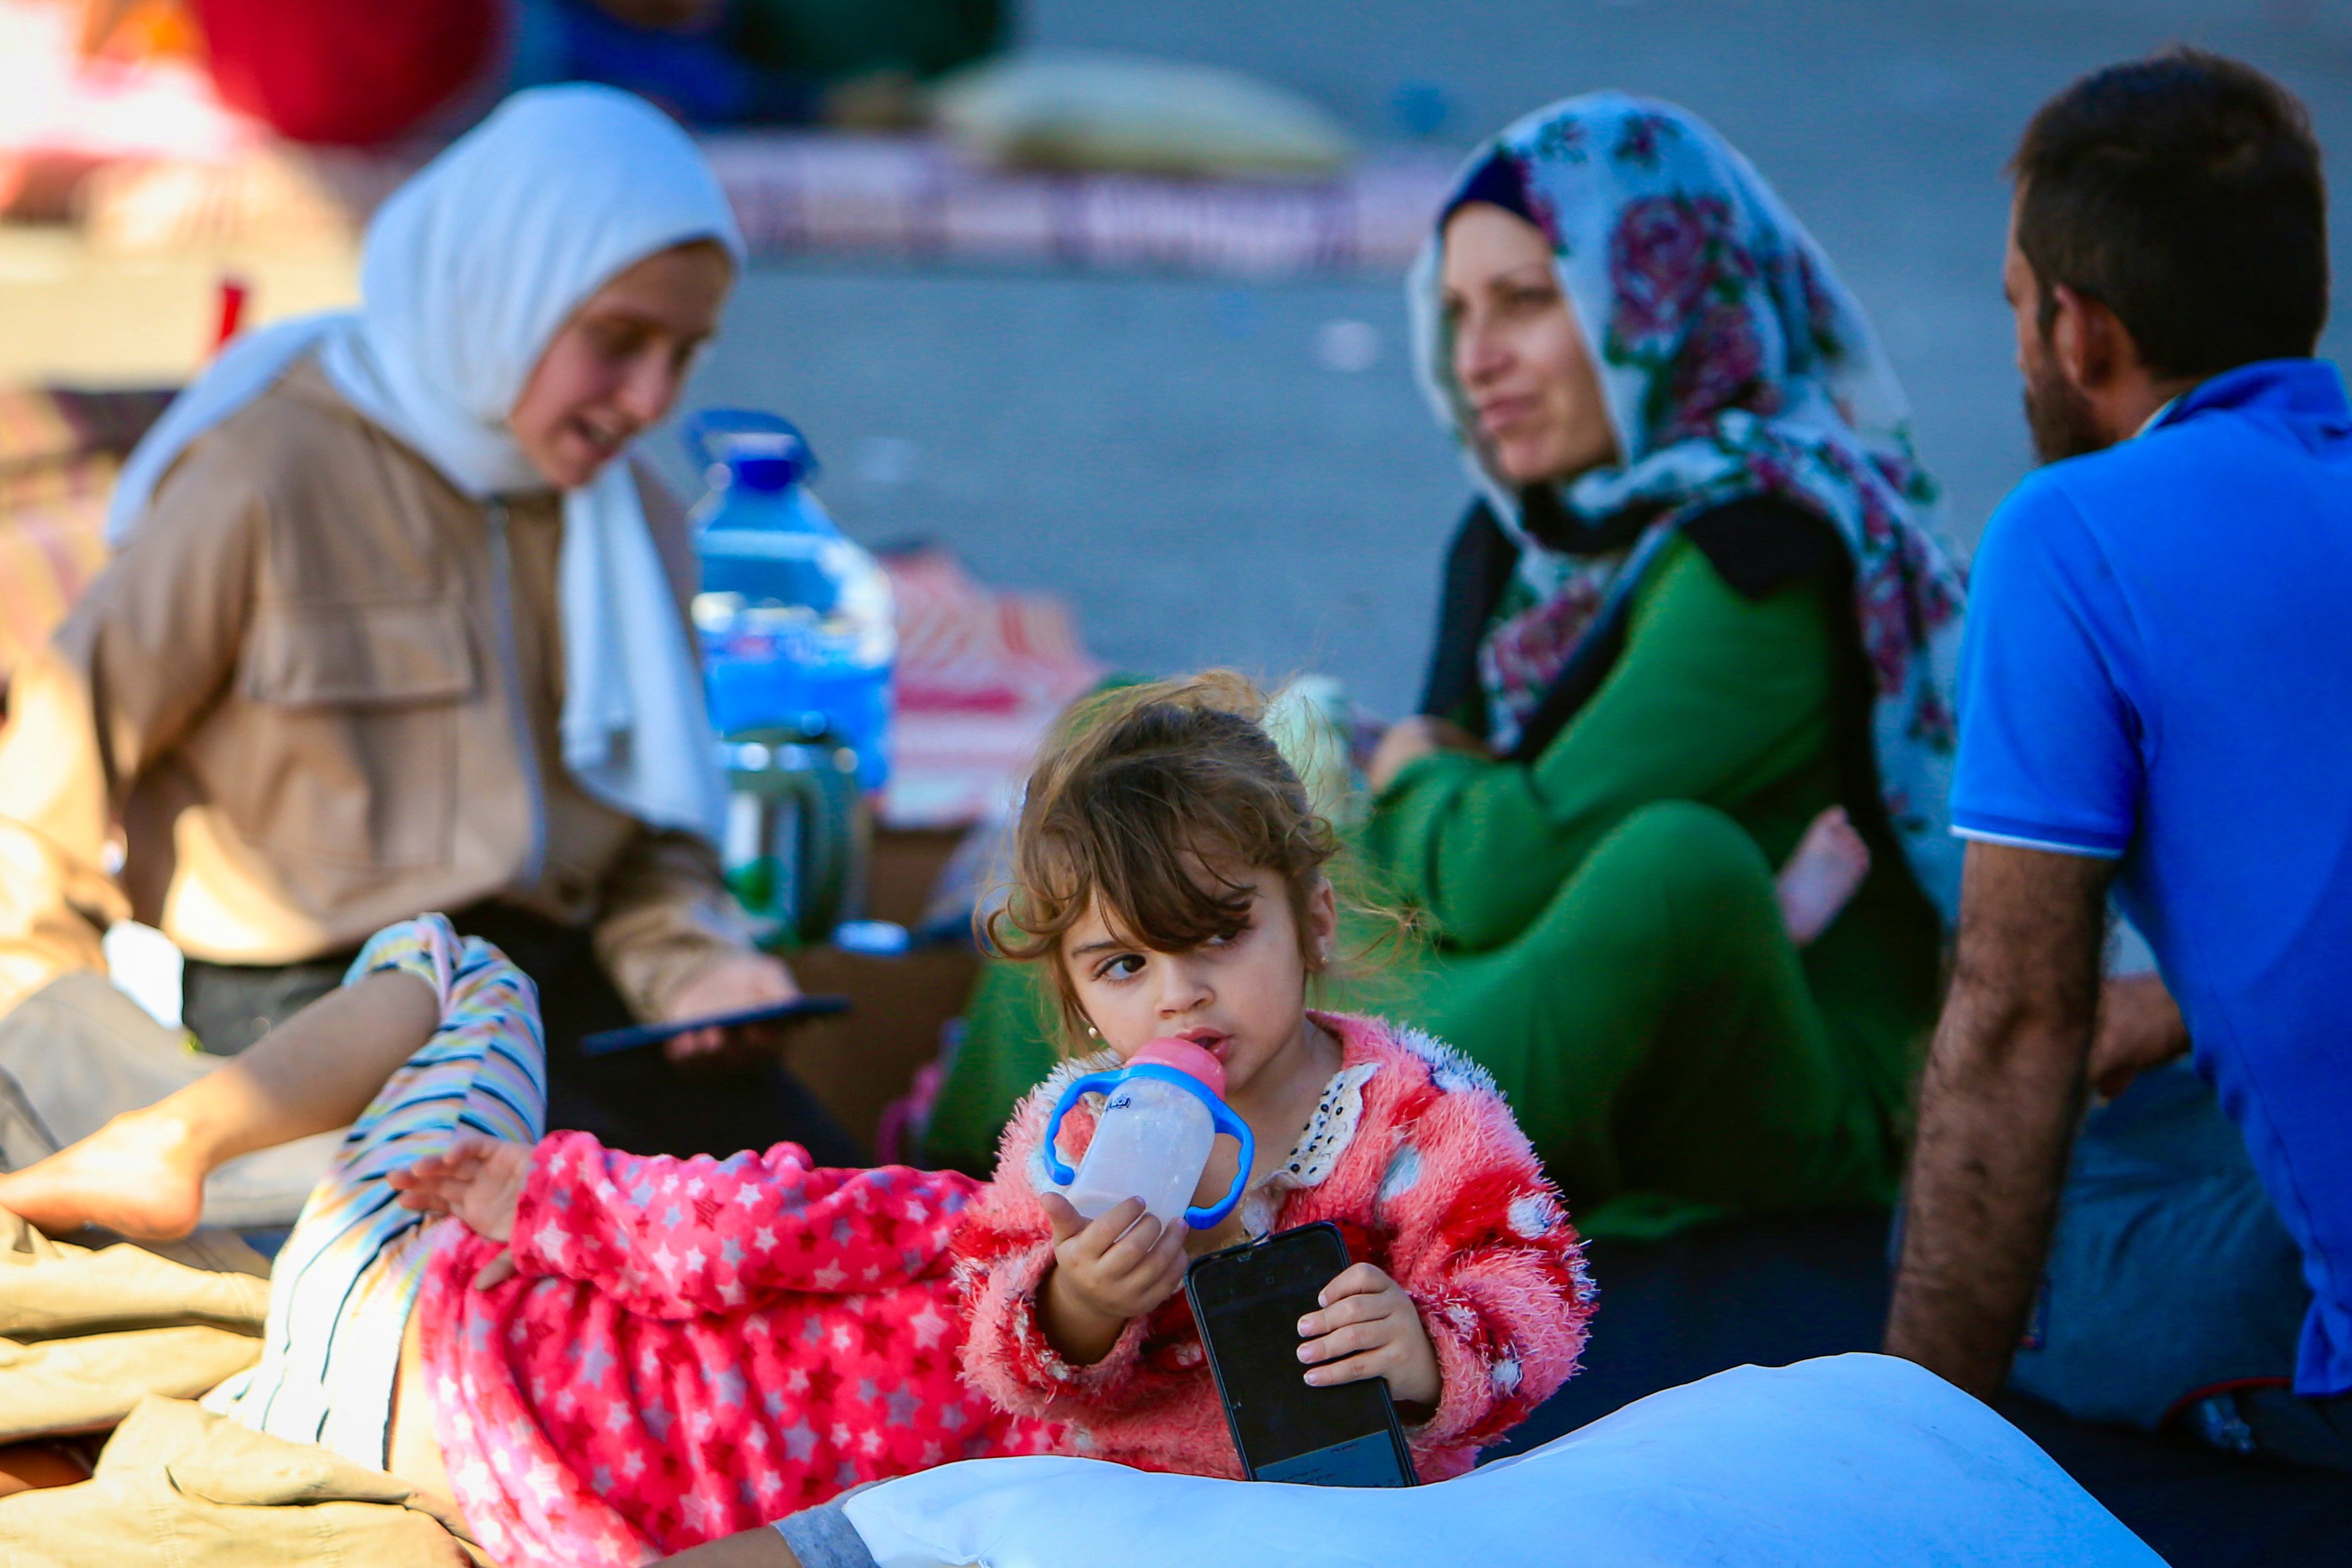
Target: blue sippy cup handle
{"points": [[1092, 1081], [1222, 1118]]}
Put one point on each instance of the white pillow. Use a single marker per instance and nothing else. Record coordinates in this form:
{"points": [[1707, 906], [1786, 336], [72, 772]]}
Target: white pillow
{"points": [[1850, 1460], [1102, 111]]}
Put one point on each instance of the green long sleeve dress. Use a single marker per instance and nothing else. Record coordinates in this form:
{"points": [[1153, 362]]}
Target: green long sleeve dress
{"points": [[1601, 930], [1598, 930]]}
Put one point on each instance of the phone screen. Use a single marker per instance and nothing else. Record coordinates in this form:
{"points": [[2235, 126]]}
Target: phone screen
{"points": [[1247, 1301]]}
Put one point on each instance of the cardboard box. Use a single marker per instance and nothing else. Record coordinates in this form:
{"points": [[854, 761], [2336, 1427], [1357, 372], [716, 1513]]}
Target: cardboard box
{"points": [[859, 1062]]}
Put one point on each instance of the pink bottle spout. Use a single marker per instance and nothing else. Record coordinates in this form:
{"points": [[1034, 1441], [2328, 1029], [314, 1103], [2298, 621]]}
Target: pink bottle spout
{"points": [[1186, 1058]]}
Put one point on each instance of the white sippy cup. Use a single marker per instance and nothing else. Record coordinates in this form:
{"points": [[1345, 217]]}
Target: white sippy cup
{"points": [[1163, 1111]]}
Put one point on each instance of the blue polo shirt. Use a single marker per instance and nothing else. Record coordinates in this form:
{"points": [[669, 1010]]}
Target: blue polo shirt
{"points": [[2158, 669]]}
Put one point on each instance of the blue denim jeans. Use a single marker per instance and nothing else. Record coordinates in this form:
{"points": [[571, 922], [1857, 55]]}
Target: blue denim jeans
{"points": [[2173, 1293]]}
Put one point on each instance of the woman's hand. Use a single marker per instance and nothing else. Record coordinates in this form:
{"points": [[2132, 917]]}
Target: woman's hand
{"points": [[1120, 1265], [1369, 1328], [478, 1179], [2140, 1028], [1410, 739], [731, 983]]}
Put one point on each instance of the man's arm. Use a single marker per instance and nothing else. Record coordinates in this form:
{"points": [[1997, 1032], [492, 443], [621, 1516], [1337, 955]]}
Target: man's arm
{"points": [[760, 1548], [820, 1537], [1996, 1113]]}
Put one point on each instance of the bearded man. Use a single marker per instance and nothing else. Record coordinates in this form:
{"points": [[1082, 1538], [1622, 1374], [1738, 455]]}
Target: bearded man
{"points": [[2156, 699]]}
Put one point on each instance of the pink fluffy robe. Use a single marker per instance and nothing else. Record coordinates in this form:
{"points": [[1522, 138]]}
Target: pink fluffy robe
{"points": [[1435, 1184], [691, 1348]]}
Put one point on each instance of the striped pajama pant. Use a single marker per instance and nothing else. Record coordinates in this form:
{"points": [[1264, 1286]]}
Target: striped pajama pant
{"points": [[344, 1285]]}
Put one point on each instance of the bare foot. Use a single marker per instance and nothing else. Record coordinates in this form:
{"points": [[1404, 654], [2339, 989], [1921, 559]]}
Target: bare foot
{"points": [[139, 1175], [1822, 876]]}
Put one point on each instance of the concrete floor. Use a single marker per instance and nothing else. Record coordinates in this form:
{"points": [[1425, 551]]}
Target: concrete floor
{"points": [[1177, 456], [1187, 458]]}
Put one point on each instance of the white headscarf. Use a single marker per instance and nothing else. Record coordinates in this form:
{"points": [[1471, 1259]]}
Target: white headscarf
{"points": [[466, 275]]}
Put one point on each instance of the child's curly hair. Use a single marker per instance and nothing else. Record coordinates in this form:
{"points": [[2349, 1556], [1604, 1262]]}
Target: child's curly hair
{"points": [[1153, 798]]}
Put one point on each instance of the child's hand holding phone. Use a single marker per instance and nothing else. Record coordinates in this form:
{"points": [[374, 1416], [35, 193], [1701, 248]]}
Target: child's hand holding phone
{"points": [[1368, 1327], [1118, 1266]]}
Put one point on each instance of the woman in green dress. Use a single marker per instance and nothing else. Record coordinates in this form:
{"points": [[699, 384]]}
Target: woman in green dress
{"points": [[1692, 623], [1692, 612]]}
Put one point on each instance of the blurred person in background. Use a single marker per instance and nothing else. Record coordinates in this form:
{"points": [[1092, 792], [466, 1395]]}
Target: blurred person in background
{"points": [[397, 623], [329, 73], [1693, 632], [2157, 701], [851, 63]]}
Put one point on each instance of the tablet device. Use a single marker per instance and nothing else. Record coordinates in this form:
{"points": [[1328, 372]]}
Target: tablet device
{"points": [[1247, 1301], [606, 1041]]}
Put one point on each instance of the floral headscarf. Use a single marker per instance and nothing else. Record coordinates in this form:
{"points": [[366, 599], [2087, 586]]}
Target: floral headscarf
{"points": [[1734, 364]]}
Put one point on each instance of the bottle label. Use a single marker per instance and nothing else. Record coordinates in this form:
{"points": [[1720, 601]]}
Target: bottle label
{"points": [[1121, 1103]]}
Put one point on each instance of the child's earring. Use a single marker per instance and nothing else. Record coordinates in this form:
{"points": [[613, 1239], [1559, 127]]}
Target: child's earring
{"points": [[1091, 1034]]}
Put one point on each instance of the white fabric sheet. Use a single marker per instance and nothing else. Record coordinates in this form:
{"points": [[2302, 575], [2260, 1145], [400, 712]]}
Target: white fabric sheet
{"points": [[1860, 1460]]}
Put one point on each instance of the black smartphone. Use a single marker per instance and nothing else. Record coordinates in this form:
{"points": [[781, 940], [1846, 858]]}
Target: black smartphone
{"points": [[1247, 1301], [606, 1041]]}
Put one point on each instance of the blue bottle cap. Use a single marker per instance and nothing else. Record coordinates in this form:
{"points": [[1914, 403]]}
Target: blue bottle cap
{"points": [[765, 461], [742, 445]]}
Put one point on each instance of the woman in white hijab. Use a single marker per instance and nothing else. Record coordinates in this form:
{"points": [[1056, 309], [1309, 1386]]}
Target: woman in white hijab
{"points": [[397, 625]]}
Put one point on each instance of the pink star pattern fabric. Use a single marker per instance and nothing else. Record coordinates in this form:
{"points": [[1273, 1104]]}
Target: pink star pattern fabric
{"points": [[690, 1348], [1436, 1186], [696, 1347]]}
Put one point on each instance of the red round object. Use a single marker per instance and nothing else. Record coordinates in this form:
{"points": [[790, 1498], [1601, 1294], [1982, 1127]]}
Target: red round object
{"points": [[332, 72]]}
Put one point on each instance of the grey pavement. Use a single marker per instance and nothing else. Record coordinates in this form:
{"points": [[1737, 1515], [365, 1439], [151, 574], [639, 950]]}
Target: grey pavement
{"points": [[1194, 462]]}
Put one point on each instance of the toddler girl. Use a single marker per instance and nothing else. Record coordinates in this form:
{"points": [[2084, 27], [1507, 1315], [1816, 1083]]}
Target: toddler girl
{"points": [[1170, 875], [616, 1355]]}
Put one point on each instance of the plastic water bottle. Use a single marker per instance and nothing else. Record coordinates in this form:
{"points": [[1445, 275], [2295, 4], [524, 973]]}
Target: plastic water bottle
{"points": [[1162, 1112], [794, 619]]}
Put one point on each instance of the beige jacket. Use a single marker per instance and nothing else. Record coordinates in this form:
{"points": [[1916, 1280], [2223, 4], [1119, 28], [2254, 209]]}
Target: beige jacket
{"points": [[127, 1334], [85, 1335], [178, 1487], [317, 692]]}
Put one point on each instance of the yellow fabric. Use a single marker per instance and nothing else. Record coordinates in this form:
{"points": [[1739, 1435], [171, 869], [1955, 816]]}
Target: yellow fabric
{"points": [[34, 429], [85, 1335], [54, 481], [89, 1383], [179, 1486], [48, 555]]}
